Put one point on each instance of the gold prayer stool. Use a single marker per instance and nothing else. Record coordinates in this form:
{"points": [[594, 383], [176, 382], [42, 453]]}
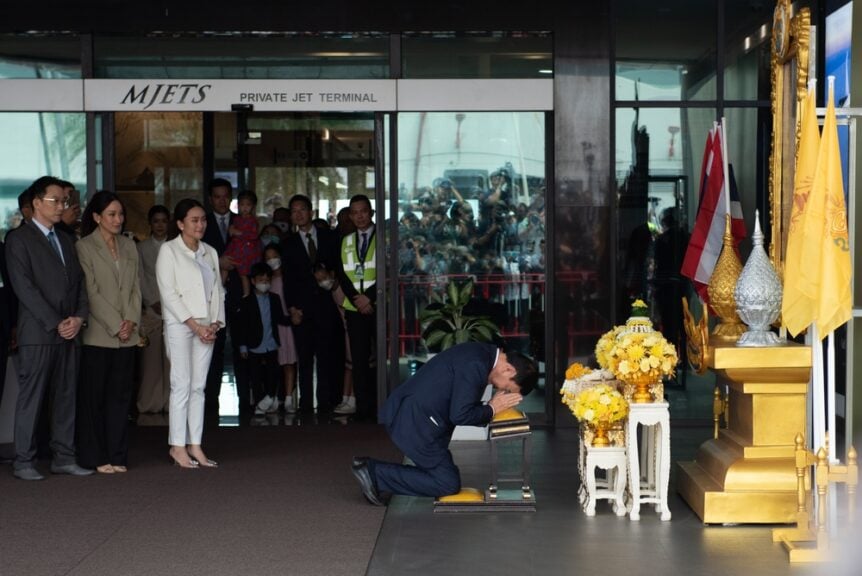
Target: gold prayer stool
{"points": [[509, 425], [807, 529], [747, 474]]}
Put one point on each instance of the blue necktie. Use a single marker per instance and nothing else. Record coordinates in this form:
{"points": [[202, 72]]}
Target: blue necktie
{"points": [[52, 238], [363, 250]]}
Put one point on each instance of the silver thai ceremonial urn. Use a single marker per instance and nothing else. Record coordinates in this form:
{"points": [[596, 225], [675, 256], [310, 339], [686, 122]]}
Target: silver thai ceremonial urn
{"points": [[758, 295]]}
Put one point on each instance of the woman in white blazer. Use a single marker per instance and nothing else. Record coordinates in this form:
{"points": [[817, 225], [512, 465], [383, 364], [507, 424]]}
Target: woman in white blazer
{"points": [[187, 272]]}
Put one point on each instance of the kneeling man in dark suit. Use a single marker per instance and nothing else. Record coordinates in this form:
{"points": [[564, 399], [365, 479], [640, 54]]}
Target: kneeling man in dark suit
{"points": [[421, 414]]}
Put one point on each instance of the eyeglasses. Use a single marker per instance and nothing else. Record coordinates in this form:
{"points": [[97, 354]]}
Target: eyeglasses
{"points": [[58, 202]]}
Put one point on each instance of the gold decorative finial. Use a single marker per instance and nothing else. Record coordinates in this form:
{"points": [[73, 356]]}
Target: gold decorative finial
{"points": [[721, 287]]}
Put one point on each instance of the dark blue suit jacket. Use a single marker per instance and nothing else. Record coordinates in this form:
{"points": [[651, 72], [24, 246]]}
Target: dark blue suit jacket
{"points": [[421, 414], [8, 305], [233, 286]]}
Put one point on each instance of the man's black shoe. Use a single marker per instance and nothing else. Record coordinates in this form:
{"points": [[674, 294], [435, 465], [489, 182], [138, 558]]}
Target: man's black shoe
{"points": [[360, 461], [366, 483]]}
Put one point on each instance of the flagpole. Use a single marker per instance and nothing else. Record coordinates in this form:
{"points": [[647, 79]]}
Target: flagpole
{"points": [[830, 397], [817, 384], [830, 356], [724, 164]]}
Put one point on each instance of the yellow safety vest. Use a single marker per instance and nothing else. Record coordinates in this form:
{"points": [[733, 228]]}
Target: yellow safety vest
{"points": [[352, 263]]}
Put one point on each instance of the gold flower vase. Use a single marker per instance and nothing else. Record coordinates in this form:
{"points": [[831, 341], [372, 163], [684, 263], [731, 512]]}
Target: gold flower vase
{"points": [[600, 435], [641, 383]]}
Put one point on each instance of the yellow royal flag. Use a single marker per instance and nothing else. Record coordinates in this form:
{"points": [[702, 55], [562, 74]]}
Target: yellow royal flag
{"points": [[797, 309], [826, 244]]}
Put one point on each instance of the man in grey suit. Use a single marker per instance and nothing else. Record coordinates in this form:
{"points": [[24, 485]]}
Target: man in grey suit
{"points": [[52, 305]]}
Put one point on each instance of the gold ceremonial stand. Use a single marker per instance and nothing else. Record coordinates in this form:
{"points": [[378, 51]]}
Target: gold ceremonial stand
{"points": [[748, 473]]}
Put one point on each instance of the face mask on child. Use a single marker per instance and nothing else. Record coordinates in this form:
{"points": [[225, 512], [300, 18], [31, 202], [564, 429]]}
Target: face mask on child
{"points": [[262, 287], [326, 284], [274, 263]]}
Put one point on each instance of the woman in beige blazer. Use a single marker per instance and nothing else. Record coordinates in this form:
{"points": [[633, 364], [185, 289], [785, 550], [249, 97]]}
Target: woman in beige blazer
{"points": [[187, 271], [110, 264]]}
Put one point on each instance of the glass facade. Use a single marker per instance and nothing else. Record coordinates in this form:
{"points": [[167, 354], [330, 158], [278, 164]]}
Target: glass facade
{"points": [[471, 205], [478, 55], [40, 55], [43, 143], [672, 67], [158, 160], [243, 55], [673, 58], [747, 50]]}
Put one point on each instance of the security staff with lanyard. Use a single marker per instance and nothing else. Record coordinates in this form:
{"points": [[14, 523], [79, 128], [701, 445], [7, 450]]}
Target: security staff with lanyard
{"points": [[358, 279]]}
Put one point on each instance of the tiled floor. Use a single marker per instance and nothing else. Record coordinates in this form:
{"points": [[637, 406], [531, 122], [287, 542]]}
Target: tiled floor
{"points": [[559, 539]]}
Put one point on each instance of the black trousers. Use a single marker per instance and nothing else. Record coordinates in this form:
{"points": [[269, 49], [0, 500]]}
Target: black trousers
{"points": [[265, 374], [362, 332], [214, 375], [105, 394], [321, 339]]}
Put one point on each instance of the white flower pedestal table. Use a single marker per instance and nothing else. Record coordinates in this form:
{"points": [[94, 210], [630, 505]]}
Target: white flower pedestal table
{"points": [[612, 459], [651, 487]]}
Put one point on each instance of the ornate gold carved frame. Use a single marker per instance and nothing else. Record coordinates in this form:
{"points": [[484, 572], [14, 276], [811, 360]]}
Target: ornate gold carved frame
{"points": [[790, 52]]}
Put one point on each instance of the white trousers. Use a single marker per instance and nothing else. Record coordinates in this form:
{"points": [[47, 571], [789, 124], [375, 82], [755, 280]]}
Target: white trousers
{"points": [[190, 361]]}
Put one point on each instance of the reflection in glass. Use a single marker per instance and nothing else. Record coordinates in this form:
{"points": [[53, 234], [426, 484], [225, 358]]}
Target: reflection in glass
{"points": [[37, 144], [477, 55], [327, 157], [671, 59], [748, 50], [471, 204], [40, 55], [657, 171], [748, 129], [159, 158], [251, 55]]}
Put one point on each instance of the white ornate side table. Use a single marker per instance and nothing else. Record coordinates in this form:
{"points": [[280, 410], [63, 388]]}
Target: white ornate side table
{"points": [[612, 459], [651, 488]]}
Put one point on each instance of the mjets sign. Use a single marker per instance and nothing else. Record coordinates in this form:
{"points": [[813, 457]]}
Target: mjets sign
{"points": [[165, 94]]}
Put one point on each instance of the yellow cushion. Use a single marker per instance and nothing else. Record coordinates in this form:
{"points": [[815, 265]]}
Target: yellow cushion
{"points": [[465, 495], [508, 414]]}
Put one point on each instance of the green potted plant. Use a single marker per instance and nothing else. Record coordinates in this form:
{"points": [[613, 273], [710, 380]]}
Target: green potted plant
{"points": [[444, 322]]}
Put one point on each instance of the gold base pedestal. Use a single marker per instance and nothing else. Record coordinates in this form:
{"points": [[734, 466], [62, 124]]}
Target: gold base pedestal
{"points": [[748, 474]]}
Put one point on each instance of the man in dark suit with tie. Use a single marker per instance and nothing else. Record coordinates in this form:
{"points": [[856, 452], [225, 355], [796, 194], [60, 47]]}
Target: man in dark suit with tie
{"points": [[421, 414], [8, 315], [49, 284], [317, 326], [219, 218]]}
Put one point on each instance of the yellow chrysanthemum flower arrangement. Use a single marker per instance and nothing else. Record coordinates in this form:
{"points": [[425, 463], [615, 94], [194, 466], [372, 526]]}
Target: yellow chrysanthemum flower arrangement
{"points": [[576, 370], [599, 405], [605, 344], [642, 357]]}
